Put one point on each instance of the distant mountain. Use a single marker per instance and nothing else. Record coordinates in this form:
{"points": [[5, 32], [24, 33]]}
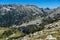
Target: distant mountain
{"points": [[18, 14], [53, 17]]}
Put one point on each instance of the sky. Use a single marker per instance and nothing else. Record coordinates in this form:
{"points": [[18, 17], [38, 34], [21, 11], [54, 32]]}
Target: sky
{"points": [[39, 3]]}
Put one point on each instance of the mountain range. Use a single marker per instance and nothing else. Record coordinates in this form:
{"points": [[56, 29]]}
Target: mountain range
{"points": [[27, 18]]}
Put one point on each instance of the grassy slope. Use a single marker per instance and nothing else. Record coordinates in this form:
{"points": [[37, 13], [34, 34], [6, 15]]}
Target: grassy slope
{"points": [[7, 33]]}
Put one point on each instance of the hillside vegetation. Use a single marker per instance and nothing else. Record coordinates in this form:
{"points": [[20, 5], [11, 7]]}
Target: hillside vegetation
{"points": [[10, 33]]}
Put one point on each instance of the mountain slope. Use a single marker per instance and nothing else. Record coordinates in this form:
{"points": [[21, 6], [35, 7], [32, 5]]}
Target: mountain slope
{"points": [[52, 29]]}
